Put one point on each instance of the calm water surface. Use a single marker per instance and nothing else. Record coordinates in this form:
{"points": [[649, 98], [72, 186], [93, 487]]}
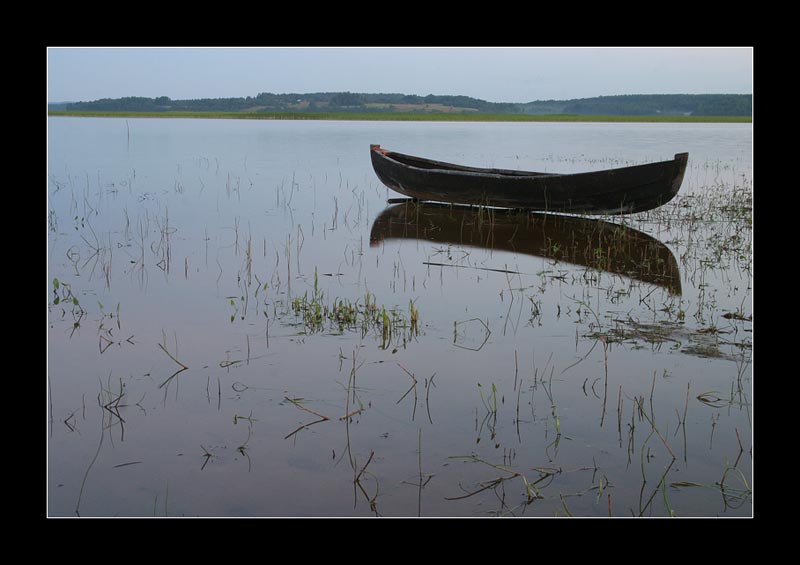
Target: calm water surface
{"points": [[240, 325]]}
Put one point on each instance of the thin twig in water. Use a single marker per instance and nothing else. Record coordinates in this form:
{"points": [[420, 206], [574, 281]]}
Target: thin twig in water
{"points": [[301, 407], [470, 267], [296, 402], [91, 464], [413, 387], [605, 386], [172, 376], [351, 413], [427, 392], [171, 357], [364, 468], [643, 413], [564, 504]]}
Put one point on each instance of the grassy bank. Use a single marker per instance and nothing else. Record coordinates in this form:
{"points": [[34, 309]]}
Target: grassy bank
{"points": [[393, 116]]}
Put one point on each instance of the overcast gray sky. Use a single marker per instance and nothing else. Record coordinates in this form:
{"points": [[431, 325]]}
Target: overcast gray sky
{"points": [[492, 74]]}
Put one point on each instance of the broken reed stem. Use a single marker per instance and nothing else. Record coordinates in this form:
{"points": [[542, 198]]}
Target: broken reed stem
{"points": [[652, 391], [658, 487], [351, 413], [605, 386], [364, 468], [357, 482], [413, 386], [683, 421], [493, 483], [686, 406], [305, 426], [739, 439], [408, 373], [50, 401], [309, 410], [91, 463], [652, 424], [516, 369], [427, 393], [164, 349], [432, 264], [419, 463], [564, 504]]}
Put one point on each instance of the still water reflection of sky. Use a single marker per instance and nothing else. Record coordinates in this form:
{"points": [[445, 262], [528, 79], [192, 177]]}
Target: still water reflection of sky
{"points": [[202, 232]]}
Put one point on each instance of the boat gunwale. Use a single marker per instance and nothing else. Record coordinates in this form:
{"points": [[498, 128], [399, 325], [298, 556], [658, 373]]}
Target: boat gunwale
{"points": [[454, 169], [444, 167]]}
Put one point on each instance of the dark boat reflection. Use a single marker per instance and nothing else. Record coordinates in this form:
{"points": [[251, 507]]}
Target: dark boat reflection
{"points": [[583, 241]]}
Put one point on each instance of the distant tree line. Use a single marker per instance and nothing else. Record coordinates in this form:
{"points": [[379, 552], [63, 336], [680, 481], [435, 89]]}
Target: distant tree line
{"points": [[649, 105], [626, 105]]}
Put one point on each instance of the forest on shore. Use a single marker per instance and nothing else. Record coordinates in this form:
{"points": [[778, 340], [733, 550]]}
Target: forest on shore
{"points": [[362, 103]]}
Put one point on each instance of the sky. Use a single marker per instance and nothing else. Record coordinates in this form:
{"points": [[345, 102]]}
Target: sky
{"points": [[492, 74]]}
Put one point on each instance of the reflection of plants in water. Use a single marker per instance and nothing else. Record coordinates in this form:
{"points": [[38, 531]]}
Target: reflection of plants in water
{"points": [[490, 419], [105, 332], [712, 233], [351, 396], [732, 486], [548, 390], [413, 388], [62, 292], [183, 367], [510, 474], [491, 405], [459, 336], [534, 486], [68, 302], [207, 456], [536, 311], [298, 403], [242, 449]]}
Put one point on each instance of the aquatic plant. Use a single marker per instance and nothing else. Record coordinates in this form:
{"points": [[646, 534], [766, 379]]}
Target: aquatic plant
{"points": [[390, 324]]}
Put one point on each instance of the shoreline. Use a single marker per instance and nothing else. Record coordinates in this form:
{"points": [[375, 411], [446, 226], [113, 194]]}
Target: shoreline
{"points": [[402, 117]]}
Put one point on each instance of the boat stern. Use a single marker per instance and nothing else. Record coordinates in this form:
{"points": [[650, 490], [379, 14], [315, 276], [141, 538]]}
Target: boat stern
{"points": [[681, 160]]}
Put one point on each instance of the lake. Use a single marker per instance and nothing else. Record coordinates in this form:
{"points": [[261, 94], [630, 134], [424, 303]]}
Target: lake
{"points": [[240, 325]]}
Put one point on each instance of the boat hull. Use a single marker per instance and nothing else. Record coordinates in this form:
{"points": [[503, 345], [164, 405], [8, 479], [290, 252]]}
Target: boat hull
{"points": [[624, 190]]}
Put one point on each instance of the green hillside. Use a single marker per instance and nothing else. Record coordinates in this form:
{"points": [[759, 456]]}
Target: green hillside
{"points": [[363, 103]]}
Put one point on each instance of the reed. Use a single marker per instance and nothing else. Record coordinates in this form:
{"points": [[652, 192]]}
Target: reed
{"points": [[297, 403]]}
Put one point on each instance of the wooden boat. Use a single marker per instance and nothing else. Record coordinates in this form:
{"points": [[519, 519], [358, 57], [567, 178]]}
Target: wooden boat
{"points": [[578, 240], [614, 191]]}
